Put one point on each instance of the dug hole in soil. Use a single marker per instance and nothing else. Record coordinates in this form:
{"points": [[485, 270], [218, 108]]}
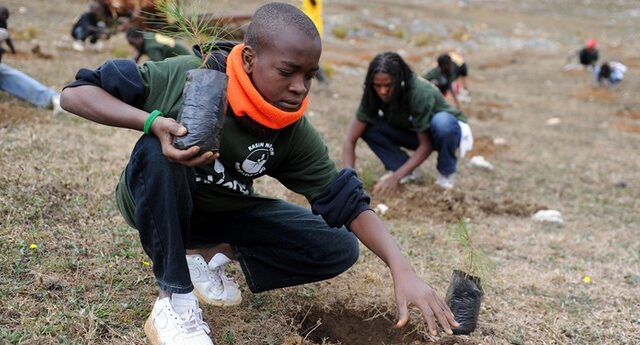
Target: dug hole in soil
{"points": [[340, 325]]}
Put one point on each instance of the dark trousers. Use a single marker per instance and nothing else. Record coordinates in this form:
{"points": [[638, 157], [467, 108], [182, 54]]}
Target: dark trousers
{"points": [[278, 244], [81, 33], [388, 142]]}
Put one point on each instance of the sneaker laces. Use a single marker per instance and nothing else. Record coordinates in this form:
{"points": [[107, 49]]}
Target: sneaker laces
{"points": [[218, 275], [192, 322]]}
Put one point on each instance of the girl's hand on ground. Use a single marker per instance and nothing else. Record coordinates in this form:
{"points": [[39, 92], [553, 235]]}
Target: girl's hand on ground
{"points": [[411, 290], [165, 129], [387, 186]]}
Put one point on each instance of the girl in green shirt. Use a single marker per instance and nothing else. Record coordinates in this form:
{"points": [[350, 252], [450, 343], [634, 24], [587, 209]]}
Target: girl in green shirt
{"points": [[398, 111]]}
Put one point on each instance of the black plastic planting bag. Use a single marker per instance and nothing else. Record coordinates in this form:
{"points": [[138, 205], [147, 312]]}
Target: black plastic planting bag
{"points": [[464, 297], [204, 105]]}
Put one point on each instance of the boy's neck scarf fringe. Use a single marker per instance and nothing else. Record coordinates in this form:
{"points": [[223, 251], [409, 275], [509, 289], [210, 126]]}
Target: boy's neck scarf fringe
{"points": [[246, 100]]}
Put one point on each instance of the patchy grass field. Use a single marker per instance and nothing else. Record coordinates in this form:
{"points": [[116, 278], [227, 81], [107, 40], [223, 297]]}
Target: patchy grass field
{"points": [[72, 272]]}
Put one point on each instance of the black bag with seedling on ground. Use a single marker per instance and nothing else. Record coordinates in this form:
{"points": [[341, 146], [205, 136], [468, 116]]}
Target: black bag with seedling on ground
{"points": [[465, 293], [204, 105], [464, 297]]}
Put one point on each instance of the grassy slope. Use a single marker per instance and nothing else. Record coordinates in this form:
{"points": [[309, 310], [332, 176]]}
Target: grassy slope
{"points": [[87, 281]]}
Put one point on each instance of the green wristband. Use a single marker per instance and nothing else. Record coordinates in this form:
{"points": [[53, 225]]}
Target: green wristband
{"points": [[149, 120]]}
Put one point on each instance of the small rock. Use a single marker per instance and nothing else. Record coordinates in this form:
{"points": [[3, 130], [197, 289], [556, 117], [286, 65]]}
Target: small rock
{"points": [[548, 216], [22, 10], [499, 141], [481, 163], [621, 184], [553, 121], [381, 209]]}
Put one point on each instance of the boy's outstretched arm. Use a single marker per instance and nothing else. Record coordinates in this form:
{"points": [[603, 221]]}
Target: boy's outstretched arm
{"points": [[95, 104], [409, 288]]}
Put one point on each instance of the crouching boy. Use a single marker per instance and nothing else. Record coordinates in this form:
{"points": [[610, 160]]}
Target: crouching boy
{"points": [[196, 211]]}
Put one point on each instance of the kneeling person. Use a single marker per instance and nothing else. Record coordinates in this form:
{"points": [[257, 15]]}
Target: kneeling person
{"points": [[401, 110]]}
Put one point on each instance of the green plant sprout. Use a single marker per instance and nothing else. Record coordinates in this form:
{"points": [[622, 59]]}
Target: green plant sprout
{"points": [[186, 22], [474, 261]]}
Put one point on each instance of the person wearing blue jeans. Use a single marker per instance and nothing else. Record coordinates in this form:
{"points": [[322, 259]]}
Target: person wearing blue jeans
{"points": [[398, 111], [22, 86]]}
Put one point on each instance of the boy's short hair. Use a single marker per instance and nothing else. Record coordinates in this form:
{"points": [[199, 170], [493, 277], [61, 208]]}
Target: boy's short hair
{"points": [[271, 19]]}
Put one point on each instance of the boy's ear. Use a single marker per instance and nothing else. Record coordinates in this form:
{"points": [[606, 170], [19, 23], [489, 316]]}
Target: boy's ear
{"points": [[248, 57]]}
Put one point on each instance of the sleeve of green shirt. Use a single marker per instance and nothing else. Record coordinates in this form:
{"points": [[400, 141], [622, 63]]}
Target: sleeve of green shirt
{"points": [[362, 116], [164, 82], [307, 169], [422, 103], [155, 54], [432, 74]]}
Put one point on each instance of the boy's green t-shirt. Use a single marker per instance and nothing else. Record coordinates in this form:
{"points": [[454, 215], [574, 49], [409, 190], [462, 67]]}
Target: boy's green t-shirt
{"points": [[425, 101], [159, 47], [296, 155]]}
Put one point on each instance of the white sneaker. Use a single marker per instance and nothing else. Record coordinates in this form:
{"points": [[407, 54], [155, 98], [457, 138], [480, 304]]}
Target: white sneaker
{"points": [[414, 176], [78, 46], [210, 283], [166, 327], [96, 47], [55, 104], [445, 182]]}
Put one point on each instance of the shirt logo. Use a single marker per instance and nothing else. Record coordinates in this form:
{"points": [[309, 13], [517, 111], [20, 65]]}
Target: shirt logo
{"points": [[221, 179], [258, 156]]}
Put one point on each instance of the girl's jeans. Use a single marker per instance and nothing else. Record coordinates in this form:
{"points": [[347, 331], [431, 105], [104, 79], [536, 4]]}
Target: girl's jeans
{"points": [[387, 142]]}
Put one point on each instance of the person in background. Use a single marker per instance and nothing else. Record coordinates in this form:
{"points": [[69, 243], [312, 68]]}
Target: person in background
{"points": [[17, 83], [401, 110], [5, 36], [156, 46], [89, 26], [22, 86], [313, 10], [609, 74], [587, 56], [450, 68]]}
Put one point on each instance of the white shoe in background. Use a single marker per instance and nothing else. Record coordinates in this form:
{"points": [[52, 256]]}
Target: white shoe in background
{"points": [[414, 176], [166, 326], [78, 46], [96, 47], [445, 182], [55, 104], [210, 283]]}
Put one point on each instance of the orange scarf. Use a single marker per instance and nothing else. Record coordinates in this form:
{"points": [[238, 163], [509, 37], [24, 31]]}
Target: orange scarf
{"points": [[246, 100]]}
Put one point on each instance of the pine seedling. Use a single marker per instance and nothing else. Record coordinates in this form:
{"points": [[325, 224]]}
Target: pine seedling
{"points": [[185, 22], [474, 261]]}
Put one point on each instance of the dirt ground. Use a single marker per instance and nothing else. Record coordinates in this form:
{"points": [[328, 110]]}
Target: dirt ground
{"points": [[72, 272]]}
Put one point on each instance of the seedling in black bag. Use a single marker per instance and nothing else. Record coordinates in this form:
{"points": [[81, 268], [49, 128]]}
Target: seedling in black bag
{"points": [[465, 293], [204, 98]]}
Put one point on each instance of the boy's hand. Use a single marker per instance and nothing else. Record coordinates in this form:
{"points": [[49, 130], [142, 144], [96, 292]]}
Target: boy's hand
{"points": [[165, 129], [411, 290], [386, 186]]}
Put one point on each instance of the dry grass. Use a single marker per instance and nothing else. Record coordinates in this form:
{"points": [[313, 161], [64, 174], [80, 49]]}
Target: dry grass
{"points": [[86, 282]]}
